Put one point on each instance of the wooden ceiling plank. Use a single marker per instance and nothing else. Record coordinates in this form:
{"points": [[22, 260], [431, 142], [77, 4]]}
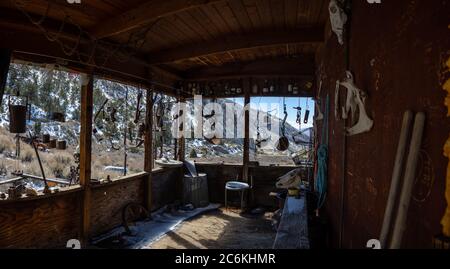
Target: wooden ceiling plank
{"points": [[144, 14], [241, 15], [216, 19], [291, 13], [228, 16], [264, 13], [253, 13], [185, 28], [174, 32], [302, 13], [168, 38], [277, 9], [205, 22], [195, 25], [238, 42]]}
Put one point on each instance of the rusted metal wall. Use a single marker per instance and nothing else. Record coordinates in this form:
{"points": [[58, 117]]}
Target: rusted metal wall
{"points": [[397, 50]]}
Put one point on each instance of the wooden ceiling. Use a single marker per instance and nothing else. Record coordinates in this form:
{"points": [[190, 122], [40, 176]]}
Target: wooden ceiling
{"points": [[181, 36]]}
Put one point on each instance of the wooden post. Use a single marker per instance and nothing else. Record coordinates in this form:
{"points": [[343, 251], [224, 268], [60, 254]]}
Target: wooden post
{"points": [[148, 158], [246, 159], [181, 140], [85, 152], [446, 219], [5, 59]]}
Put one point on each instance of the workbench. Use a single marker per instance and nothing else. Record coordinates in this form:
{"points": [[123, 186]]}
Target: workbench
{"points": [[293, 229]]}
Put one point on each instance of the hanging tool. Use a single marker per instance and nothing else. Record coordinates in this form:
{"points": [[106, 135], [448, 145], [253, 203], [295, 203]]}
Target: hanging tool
{"points": [[299, 122], [137, 115], [46, 188], [258, 141], [299, 116], [213, 140], [97, 127], [125, 129], [159, 114], [305, 121], [318, 104], [283, 142]]}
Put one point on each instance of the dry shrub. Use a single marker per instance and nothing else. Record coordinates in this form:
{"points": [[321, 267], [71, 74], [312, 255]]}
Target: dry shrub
{"points": [[57, 168], [6, 143], [64, 159], [27, 154], [34, 169]]}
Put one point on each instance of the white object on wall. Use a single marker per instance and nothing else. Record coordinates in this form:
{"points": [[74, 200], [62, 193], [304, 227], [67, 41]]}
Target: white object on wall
{"points": [[338, 20], [356, 100]]}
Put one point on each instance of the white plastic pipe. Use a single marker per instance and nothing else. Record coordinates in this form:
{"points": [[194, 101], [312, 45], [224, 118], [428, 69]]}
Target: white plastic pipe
{"points": [[408, 184], [396, 176]]}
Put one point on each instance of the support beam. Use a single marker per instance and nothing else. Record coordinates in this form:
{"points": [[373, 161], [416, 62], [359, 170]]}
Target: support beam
{"points": [[144, 14], [291, 68], [5, 59], [87, 101], [182, 140], [148, 158], [29, 44], [238, 42], [246, 159]]}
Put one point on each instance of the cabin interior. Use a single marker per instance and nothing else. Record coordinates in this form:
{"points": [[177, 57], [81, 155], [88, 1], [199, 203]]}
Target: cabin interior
{"points": [[371, 172]]}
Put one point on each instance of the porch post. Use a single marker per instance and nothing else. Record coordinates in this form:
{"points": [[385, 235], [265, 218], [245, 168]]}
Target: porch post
{"points": [[148, 158], [85, 152], [5, 60]]}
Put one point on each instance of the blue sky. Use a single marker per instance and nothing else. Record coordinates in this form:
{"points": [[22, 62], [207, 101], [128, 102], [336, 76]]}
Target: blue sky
{"points": [[290, 104]]}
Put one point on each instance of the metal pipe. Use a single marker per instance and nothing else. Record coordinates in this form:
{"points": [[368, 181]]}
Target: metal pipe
{"points": [[46, 189]]}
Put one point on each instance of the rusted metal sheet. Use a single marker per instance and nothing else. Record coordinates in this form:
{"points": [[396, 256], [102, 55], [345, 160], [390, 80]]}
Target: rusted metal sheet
{"points": [[397, 50]]}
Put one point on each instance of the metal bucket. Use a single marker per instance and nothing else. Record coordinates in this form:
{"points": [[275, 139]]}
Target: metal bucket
{"points": [[46, 138], [17, 119], [52, 143], [61, 144], [57, 116]]}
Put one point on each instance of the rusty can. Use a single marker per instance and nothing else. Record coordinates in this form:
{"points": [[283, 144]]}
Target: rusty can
{"points": [[46, 138], [52, 143], [17, 119], [61, 144]]}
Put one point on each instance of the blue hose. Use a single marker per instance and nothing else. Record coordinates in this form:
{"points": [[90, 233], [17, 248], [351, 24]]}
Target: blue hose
{"points": [[322, 161], [321, 180]]}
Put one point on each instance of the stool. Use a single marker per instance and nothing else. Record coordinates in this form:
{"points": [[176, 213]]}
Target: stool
{"points": [[236, 186]]}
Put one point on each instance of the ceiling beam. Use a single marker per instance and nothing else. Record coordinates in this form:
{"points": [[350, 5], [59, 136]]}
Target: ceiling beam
{"points": [[14, 23], [144, 14], [32, 46], [302, 67], [238, 42]]}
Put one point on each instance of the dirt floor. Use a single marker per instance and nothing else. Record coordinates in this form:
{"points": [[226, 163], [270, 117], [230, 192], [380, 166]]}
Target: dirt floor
{"points": [[221, 229]]}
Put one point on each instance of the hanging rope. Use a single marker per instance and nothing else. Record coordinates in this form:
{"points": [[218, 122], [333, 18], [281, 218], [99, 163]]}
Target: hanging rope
{"points": [[121, 52], [322, 160]]}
